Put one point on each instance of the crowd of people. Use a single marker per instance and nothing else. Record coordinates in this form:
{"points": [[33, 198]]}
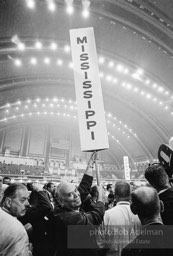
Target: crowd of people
{"points": [[86, 220]]}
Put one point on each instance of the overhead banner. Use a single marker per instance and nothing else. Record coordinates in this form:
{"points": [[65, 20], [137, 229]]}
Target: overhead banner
{"points": [[91, 116], [126, 167]]}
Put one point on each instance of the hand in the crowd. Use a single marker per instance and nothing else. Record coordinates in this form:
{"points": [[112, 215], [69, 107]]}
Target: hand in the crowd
{"points": [[92, 159]]}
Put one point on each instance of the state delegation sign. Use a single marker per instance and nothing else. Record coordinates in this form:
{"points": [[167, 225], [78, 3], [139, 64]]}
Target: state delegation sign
{"points": [[91, 116]]}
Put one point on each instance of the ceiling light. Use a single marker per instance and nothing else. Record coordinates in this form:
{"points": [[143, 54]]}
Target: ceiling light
{"points": [[38, 45], [33, 61], [140, 71], [115, 80], [101, 74], [129, 86], [67, 48], [147, 81], [86, 5], [47, 60], [101, 60], [119, 68], [155, 85], [108, 78], [53, 46], [18, 62], [70, 65], [136, 89], [160, 89], [59, 62], [21, 46], [126, 71], [51, 6], [30, 4], [111, 64]]}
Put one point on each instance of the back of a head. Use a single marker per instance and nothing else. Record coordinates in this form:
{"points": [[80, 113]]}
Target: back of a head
{"points": [[145, 202], [156, 175], [122, 190], [94, 191]]}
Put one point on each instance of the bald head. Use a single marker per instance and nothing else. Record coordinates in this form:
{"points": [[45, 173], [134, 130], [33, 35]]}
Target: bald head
{"points": [[122, 190], [68, 196], [145, 202]]}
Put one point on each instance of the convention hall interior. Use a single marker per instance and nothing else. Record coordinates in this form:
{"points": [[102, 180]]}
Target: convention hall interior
{"points": [[39, 131]]}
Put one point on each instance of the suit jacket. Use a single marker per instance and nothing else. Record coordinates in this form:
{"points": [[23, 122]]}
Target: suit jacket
{"points": [[153, 240], [39, 215], [74, 231], [167, 199]]}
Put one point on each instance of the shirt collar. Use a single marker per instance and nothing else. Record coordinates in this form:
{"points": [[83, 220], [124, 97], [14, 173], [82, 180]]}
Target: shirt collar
{"points": [[163, 190], [123, 202]]}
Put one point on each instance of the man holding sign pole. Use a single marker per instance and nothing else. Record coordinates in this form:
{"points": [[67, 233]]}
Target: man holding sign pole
{"points": [[73, 226], [92, 125]]}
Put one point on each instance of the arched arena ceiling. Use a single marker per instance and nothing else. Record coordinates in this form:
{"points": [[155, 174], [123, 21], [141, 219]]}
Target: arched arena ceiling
{"points": [[134, 40]]}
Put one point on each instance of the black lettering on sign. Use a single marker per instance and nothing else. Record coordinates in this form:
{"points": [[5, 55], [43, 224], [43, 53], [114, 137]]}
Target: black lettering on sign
{"points": [[87, 94], [92, 136], [84, 56], [86, 75], [82, 41], [89, 113], [83, 48], [87, 84], [85, 65], [90, 124], [89, 104]]}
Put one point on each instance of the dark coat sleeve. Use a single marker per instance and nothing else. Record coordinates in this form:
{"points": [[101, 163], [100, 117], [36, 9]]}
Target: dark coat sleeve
{"points": [[85, 186]]}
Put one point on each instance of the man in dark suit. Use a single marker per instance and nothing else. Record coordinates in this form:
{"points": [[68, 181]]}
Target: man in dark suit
{"points": [[154, 237], [74, 228], [156, 175]]}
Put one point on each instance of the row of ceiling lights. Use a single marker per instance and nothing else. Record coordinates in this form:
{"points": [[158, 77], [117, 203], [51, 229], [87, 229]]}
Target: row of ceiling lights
{"points": [[111, 79], [52, 6], [138, 74], [152, 13], [48, 104]]}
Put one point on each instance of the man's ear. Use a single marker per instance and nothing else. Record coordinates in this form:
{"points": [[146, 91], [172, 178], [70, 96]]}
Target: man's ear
{"points": [[161, 206], [133, 209], [7, 202]]}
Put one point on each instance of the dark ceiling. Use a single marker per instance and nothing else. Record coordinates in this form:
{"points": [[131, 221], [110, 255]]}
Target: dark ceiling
{"points": [[134, 40]]}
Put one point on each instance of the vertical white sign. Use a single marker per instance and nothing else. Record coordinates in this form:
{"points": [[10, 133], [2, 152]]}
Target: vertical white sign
{"points": [[91, 116], [126, 167]]}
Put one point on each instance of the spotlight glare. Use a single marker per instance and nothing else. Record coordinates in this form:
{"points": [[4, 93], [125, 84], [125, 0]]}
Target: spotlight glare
{"points": [[53, 46], [85, 13], [52, 6], [18, 62], [67, 48], [33, 61], [31, 4], [70, 9], [111, 64], [47, 61], [101, 60], [59, 62], [21, 46], [38, 45]]}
